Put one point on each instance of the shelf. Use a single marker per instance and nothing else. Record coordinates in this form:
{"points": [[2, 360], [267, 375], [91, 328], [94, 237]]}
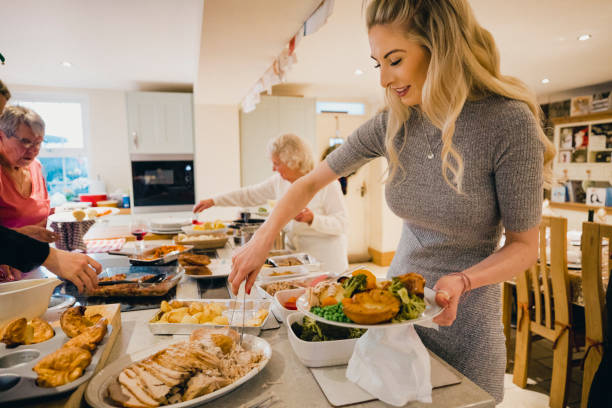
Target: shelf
{"points": [[582, 118], [577, 207]]}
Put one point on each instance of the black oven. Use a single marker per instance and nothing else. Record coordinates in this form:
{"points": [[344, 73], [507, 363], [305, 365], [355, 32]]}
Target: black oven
{"points": [[162, 183]]}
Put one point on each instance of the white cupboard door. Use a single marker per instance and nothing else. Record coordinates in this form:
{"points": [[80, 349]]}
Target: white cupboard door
{"points": [[160, 122]]}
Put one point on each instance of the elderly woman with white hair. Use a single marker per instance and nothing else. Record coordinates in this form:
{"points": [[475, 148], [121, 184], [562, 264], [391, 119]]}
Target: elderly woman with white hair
{"points": [[320, 228], [24, 201]]}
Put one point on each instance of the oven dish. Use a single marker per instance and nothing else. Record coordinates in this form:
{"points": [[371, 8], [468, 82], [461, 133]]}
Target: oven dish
{"points": [[160, 255], [169, 277]]}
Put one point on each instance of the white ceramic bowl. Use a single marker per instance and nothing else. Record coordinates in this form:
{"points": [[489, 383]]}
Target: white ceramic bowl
{"points": [[283, 296], [319, 353], [27, 298]]}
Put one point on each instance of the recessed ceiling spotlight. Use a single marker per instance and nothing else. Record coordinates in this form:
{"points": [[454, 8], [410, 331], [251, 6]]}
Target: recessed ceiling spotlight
{"points": [[66, 64], [358, 72], [545, 80], [584, 37]]}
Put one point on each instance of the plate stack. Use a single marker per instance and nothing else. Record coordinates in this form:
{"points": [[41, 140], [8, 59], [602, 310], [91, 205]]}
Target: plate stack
{"points": [[168, 225]]}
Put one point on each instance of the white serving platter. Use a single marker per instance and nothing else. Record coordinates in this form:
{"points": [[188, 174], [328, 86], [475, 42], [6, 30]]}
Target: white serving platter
{"points": [[432, 309], [66, 216], [96, 390]]}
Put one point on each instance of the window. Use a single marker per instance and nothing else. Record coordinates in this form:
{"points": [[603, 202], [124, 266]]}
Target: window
{"points": [[351, 108], [63, 154]]}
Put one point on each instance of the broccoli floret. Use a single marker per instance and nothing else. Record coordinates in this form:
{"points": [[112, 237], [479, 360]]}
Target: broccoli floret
{"points": [[310, 330], [331, 332], [410, 309], [396, 285], [356, 333], [297, 329], [355, 284]]}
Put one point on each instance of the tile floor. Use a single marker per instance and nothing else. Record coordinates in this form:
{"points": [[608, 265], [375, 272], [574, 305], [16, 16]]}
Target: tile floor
{"points": [[536, 394]]}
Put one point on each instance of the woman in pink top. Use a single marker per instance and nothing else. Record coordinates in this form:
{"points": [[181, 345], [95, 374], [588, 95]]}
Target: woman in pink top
{"points": [[24, 201]]}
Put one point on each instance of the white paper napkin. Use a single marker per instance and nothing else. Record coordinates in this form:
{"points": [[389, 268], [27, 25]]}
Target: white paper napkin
{"points": [[393, 365]]}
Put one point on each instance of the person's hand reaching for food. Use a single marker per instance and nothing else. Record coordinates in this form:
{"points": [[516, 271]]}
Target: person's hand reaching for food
{"points": [[39, 233], [448, 290], [203, 205], [248, 260], [76, 267], [305, 216]]}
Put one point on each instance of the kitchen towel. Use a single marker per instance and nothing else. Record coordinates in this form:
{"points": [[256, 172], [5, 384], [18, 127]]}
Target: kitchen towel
{"points": [[393, 365], [95, 246], [70, 234]]}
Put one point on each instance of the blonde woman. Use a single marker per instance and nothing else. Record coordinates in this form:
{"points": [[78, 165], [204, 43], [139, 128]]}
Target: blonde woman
{"points": [[320, 227], [467, 158]]}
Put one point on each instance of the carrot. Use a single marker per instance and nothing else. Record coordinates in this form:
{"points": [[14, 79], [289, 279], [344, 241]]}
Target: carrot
{"points": [[370, 278], [346, 301], [328, 301]]}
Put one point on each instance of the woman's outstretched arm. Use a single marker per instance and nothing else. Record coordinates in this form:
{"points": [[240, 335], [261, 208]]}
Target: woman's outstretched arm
{"points": [[248, 260]]}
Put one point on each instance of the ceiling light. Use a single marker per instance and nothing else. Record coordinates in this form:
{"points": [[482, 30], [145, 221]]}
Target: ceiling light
{"points": [[66, 64], [545, 80], [584, 37], [358, 72]]}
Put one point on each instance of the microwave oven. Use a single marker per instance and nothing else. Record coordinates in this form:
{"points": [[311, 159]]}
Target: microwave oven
{"points": [[162, 183]]}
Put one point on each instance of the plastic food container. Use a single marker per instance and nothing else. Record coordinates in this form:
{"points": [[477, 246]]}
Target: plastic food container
{"points": [[295, 261], [281, 297], [302, 281], [27, 298], [319, 353]]}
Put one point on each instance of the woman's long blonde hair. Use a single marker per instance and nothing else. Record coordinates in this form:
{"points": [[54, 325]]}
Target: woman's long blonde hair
{"points": [[464, 65]]}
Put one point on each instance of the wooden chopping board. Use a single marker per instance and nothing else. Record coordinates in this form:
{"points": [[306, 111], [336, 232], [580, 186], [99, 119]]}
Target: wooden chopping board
{"points": [[74, 399]]}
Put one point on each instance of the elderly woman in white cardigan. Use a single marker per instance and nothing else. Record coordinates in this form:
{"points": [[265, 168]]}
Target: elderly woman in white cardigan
{"points": [[320, 228]]}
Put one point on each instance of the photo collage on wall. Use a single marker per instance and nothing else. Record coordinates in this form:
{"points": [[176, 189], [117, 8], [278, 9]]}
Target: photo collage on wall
{"points": [[601, 142], [573, 142]]}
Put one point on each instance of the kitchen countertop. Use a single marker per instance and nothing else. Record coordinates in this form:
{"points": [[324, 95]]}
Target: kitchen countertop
{"points": [[284, 376]]}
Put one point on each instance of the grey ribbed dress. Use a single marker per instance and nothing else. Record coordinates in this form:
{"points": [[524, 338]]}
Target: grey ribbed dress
{"points": [[444, 232]]}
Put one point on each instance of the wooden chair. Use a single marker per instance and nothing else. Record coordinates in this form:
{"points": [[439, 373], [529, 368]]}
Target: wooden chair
{"points": [[593, 262], [549, 315]]}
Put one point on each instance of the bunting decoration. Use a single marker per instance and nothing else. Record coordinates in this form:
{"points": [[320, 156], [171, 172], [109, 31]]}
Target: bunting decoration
{"points": [[277, 72]]}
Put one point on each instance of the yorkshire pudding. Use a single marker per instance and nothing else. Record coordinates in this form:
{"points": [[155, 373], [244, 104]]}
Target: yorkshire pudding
{"points": [[41, 330], [371, 307], [20, 331], [16, 332], [74, 321], [90, 337], [62, 366]]}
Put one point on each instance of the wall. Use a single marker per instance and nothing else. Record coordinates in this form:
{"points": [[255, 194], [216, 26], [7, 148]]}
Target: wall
{"points": [[217, 154], [106, 131], [372, 224]]}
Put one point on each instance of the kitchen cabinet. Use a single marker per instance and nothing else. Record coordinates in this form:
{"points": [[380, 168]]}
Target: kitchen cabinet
{"points": [[160, 122], [273, 116]]}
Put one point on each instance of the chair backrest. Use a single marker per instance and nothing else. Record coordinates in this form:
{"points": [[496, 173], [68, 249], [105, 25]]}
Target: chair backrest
{"points": [[550, 284], [595, 262]]}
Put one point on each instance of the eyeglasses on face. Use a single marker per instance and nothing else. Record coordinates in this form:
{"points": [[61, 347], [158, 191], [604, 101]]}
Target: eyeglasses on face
{"points": [[27, 143]]}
